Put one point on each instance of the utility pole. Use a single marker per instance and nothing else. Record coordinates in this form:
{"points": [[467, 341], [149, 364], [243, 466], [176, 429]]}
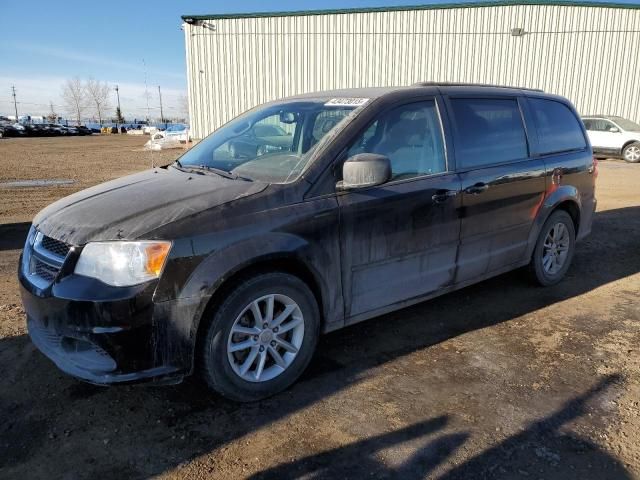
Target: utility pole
{"points": [[118, 95], [15, 104], [146, 90], [161, 114], [119, 111]]}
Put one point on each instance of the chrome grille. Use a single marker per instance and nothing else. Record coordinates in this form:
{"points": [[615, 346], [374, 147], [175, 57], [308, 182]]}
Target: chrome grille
{"points": [[42, 270], [43, 258], [55, 246]]}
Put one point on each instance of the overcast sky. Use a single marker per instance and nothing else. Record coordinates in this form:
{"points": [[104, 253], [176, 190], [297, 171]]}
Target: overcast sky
{"points": [[45, 42]]}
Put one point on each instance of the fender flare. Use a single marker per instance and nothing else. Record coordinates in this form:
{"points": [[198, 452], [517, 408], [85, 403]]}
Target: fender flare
{"points": [[212, 273], [564, 193]]}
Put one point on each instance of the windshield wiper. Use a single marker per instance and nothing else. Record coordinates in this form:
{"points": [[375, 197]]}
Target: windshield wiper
{"points": [[204, 168], [178, 166], [218, 171]]}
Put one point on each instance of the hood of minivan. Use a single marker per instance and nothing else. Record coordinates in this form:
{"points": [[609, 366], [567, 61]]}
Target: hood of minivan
{"points": [[129, 207]]}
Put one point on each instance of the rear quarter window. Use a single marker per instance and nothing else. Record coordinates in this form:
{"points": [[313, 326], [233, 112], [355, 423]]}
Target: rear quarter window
{"points": [[488, 130], [558, 128]]}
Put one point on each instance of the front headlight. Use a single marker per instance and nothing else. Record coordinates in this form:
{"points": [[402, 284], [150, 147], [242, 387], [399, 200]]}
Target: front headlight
{"points": [[123, 263]]}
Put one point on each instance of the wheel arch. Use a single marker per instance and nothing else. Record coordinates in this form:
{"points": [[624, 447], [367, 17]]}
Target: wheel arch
{"points": [[565, 198], [285, 262], [572, 208], [626, 144]]}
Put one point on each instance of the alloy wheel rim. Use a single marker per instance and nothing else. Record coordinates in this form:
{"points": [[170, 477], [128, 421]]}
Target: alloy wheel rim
{"points": [[555, 248], [265, 338], [633, 154]]}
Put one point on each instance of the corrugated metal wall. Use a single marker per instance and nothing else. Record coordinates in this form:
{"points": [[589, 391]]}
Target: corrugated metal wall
{"points": [[589, 54]]}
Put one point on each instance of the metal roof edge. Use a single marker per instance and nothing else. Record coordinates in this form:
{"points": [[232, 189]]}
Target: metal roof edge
{"points": [[442, 6]]}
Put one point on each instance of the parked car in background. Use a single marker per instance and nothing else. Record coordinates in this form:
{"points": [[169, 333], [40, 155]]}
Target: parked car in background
{"points": [[82, 130], [19, 127], [177, 130], [375, 199], [614, 136], [42, 130], [55, 129], [149, 130], [135, 131], [36, 130], [10, 130], [49, 130]]}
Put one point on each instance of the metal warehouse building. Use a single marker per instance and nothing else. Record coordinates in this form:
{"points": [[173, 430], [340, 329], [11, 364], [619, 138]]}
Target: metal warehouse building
{"points": [[587, 52]]}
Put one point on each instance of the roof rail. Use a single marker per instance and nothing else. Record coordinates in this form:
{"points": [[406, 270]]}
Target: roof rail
{"points": [[462, 84]]}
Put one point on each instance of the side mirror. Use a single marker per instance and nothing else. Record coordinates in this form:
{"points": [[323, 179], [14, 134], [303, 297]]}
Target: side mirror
{"points": [[614, 129], [365, 170]]}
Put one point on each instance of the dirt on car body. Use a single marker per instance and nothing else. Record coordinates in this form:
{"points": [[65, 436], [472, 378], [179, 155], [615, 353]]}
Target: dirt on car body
{"points": [[497, 380]]}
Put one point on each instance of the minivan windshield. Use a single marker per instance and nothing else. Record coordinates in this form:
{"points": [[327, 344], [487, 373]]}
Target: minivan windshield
{"points": [[271, 143], [627, 125]]}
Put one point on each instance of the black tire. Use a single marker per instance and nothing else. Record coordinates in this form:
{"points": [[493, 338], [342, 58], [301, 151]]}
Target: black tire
{"points": [[627, 152], [213, 363], [537, 271]]}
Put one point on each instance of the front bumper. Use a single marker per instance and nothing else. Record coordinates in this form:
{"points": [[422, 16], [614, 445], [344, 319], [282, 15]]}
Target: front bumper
{"points": [[105, 335]]}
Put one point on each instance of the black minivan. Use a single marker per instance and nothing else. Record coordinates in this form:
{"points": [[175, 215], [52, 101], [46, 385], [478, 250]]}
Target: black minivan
{"points": [[299, 217]]}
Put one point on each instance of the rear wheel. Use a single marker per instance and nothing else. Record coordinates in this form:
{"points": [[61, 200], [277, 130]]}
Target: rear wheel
{"points": [[261, 337], [631, 153], [554, 249]]}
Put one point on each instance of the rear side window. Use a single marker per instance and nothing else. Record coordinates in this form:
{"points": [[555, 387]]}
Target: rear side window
{"points": [[488, 130], [558, 128]]}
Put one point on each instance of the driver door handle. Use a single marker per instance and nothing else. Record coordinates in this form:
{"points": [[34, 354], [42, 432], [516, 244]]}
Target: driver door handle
{"points": [[442, 195], [477, 188]]}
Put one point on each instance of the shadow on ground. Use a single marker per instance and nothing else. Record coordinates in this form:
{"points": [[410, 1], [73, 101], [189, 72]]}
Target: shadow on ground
{"points": [[540, 449], [13, 235], [138, 432]]}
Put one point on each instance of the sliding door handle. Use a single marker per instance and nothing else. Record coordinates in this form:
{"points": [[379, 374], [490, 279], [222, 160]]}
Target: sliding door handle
{"points": [[477, 188]]}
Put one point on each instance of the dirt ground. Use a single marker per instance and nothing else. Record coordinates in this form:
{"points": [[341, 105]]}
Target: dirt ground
{"points": [[499, 380]]}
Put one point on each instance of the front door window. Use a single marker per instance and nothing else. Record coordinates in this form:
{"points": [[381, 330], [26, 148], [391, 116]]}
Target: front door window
{"points": [[410, 136]]}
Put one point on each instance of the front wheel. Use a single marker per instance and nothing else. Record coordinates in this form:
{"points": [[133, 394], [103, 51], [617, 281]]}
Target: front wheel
{"points": [[631, 152], [554, 249], [261, 337]]}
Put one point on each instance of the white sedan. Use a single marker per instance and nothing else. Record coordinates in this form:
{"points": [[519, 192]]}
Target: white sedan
{"points": [[614, 136]]}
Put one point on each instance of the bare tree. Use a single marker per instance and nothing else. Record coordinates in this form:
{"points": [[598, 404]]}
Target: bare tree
{"points": [[75, 98], [52, 116], [98, 93]]}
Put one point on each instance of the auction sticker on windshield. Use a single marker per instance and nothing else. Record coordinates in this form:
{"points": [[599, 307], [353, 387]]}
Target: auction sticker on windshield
{"points": [[346, 102]]}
